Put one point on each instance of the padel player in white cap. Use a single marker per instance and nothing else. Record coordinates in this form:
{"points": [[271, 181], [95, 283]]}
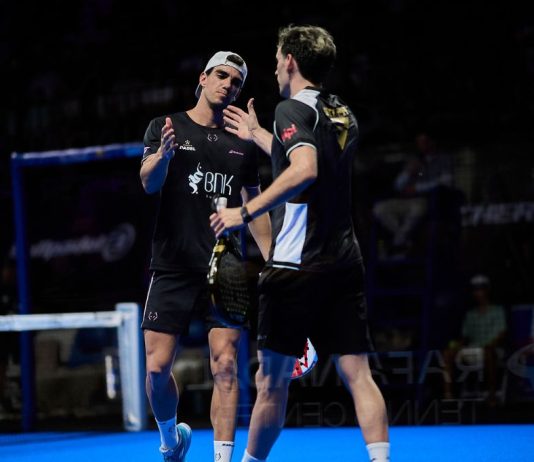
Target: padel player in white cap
{"points": [[188, 159]]}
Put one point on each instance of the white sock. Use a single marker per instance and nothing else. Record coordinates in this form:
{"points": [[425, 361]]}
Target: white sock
{"points": [[248, 458], [168, 434], [378, 452], [222, 451]]}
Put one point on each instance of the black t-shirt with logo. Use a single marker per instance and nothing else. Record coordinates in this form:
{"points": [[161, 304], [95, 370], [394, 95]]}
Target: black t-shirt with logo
{"points": [[207, 161], [314, 231]]}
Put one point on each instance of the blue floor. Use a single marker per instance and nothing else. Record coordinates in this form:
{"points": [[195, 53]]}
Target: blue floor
{"points": [[484, 443]]}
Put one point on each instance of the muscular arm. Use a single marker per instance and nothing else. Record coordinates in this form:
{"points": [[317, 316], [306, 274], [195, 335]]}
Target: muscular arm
{"points": [[155, 166], [300, 174], [261, 227], [263, 139], [154, 171]]}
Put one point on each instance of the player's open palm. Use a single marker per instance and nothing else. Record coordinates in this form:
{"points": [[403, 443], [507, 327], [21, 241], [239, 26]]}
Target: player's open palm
{"points": [[241, 123], [168, 144]]}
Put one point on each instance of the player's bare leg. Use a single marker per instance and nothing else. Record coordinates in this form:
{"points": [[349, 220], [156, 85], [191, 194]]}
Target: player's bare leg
{"points": [[161, 387], [368, 402], [269, 412], [224, 344], [163, 394]]}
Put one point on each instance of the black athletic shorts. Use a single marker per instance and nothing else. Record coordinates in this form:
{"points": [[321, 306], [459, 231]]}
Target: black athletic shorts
{"points": [[329, 308], [173, 299]]}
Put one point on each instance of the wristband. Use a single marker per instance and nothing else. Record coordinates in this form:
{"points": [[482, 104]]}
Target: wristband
{"points": [[247, 217]]}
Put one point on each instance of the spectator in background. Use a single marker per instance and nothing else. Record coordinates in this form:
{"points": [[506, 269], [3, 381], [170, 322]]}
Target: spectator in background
{"points": [[422, 175], [482, 339]]}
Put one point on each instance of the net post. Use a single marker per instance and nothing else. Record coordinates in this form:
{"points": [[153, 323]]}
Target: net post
{"points": [[24, 299], [132, 367]]}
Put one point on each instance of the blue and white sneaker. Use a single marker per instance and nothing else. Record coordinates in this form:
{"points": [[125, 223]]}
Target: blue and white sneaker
{"points": [[178, 453]]}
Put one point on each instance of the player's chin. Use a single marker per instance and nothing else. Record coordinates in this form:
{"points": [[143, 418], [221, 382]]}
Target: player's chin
{"points": [[225, 99], [221, 103]]}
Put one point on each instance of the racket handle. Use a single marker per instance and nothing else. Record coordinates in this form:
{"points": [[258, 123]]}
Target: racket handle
{"points": [[220, 203]]}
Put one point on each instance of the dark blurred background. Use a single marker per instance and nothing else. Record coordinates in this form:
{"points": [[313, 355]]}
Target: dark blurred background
{"points": [[444, 89]]}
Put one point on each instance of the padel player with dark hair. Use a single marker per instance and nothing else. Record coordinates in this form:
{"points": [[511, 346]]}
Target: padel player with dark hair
{"points": [[313, 283], [189, 158]]}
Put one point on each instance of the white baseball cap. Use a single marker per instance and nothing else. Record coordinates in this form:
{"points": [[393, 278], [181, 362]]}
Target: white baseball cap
{"points": [[224, 58]]}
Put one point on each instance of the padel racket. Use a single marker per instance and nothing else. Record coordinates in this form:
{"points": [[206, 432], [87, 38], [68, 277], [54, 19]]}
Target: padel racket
{"points": [[229, 291], [305, 363]]}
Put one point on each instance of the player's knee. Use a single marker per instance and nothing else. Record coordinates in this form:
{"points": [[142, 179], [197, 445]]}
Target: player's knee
{"points": [[157, 372], [355, 370], [158, 380], [260, 381], [268, 387], [224, 368]]}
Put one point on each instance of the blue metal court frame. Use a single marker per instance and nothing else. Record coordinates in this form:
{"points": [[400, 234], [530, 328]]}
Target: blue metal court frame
{"points": [[19, 162]]}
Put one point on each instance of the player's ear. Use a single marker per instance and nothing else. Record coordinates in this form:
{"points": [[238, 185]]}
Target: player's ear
{"points": [[291, 64], [202, 80]]}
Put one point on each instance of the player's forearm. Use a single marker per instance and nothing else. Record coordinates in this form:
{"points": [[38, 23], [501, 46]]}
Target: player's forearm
{"points": [[295, 179], [260, 228], [153, 172], [263, 139]]}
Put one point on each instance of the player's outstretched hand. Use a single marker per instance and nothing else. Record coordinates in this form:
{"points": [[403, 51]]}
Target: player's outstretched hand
{"points": [[168, 144], [241, 123]]}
